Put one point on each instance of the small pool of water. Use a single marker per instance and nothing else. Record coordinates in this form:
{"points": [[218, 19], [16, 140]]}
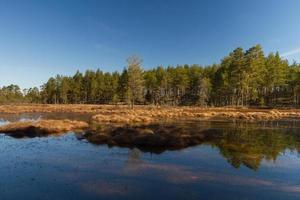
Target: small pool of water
{"points": [[36, 116], [238, 161]]}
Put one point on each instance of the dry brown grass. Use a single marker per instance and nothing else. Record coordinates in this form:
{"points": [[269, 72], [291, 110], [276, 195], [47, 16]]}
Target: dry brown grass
{"points": [[141, 127], [42, 127], [52, 108], [149, 114], [151, 137], [120, 125]]}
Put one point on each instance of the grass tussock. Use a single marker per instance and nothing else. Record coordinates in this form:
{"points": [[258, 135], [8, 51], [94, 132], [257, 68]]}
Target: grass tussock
{"points": [[42, 127], [151, 137]]}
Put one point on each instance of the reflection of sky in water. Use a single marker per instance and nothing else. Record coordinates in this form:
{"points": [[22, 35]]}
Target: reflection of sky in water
{"points": [[66, 168], [3, 122], [6, 118], [37, 116]]}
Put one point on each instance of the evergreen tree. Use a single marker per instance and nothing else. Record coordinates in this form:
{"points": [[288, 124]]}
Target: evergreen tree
{"points": [[275, 78], [246, 78], [237, 76], [123, 86], [255, 69], [135, 80]]}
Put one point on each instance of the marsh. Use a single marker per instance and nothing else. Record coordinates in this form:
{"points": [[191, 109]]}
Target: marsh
{"points": [[235, 160]]}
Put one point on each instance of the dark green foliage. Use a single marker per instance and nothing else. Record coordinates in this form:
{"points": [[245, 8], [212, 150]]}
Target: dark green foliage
{"points": [[32, 95], [243, 78], [11, 94]]}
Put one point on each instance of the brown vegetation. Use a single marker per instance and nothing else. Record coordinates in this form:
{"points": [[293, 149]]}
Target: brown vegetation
{"points": [[148, 114], [51, 108], [155, 114], [152, 137], [141, 127], [42, 127], [144, 127]]}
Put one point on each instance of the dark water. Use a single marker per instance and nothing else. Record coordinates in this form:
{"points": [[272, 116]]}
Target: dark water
{"points": [[238, 161]]}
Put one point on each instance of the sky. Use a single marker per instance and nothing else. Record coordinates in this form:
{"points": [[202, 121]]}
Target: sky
{"points": [[42, 38]]}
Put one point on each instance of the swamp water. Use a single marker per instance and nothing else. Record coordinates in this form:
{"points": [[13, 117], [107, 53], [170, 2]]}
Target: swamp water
{"points": [[235, 161]]}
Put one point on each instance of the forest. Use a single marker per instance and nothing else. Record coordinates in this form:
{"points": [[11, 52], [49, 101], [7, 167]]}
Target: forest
{"points": [[242, 78]]}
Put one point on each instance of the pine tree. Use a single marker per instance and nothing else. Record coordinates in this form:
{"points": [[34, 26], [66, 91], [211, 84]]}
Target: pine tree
{"points": [[275, 77], [255, 70], [135, 80], [237, 76]]}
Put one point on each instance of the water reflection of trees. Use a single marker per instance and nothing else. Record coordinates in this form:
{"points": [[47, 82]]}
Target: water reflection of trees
{"points": [[249, 146], [240, 143]]}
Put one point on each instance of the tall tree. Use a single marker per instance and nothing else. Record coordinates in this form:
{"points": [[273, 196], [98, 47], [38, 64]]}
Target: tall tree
{"points": [[135, 79], [238, 75], [255, 70], [275, 77], [32, 95], [123, 86], [242, 78]]}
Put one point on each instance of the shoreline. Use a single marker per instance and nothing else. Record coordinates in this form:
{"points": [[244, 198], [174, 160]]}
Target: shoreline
{"points": [[145, 127], [150, 114]]}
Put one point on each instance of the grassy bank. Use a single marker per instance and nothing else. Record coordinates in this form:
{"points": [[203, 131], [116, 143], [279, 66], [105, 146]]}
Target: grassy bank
{"points": [[139, 127], [149, 114], [42, 127]]}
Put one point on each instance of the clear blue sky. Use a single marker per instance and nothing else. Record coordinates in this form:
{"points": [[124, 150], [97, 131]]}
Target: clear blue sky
{"points": [[42, 38]]}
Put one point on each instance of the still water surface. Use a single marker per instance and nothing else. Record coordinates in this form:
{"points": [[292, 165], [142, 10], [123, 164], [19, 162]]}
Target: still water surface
{"points": [[238, 161]]}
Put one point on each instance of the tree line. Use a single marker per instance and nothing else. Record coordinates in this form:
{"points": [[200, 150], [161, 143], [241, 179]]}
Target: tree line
{"points": [[242, 78]]}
